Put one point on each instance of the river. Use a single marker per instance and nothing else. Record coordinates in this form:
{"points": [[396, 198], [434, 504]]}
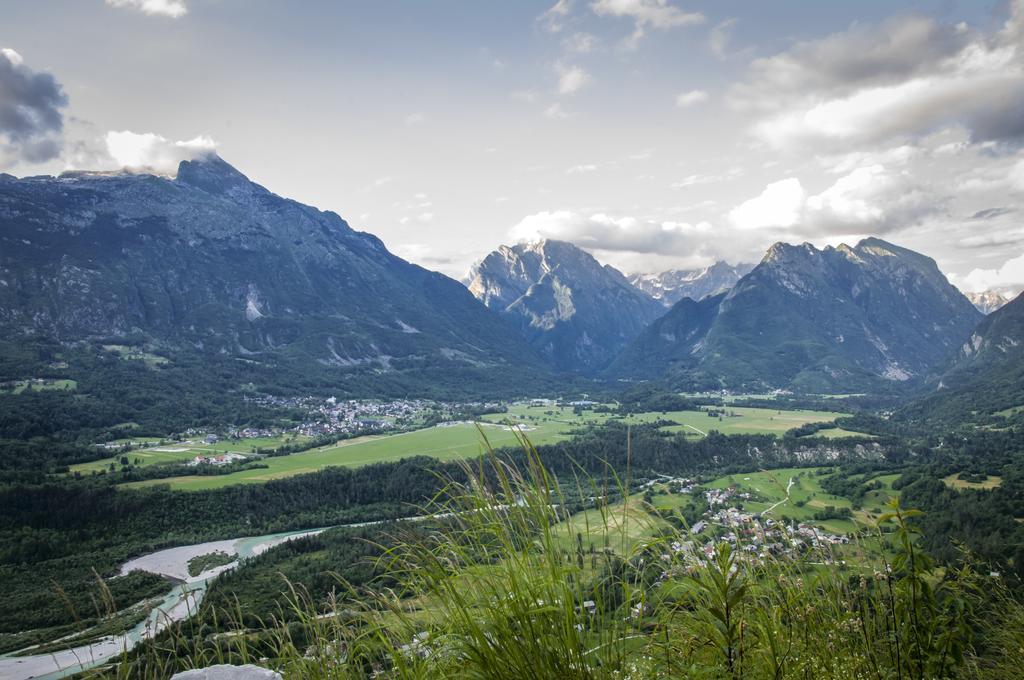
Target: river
{"points": [[178, 604]]}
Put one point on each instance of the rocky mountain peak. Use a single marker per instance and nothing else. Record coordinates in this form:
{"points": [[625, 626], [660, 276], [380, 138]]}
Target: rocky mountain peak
{"points": [[574, 310], [214, 175]]}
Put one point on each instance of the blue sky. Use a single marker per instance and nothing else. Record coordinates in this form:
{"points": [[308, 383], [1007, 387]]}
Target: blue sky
{"points": [[655, 133]]}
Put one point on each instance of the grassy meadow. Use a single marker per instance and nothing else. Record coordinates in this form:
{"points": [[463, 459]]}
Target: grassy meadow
{"points": [[541, 424]]}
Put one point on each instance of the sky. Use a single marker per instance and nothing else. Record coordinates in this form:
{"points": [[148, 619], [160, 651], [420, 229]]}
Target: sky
{"points": [[656, 134]]}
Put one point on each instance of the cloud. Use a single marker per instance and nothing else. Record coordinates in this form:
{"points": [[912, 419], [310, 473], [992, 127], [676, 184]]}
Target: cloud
{"points": [[422, 218], [697, 180], [658, 14], [581, 43], [904, 79], [685, 100], [608, 233], [571, 79], [31, 118], [415, 118], [1009, 278], [553, 19], [555, 112], [1017, 176], [581, 169], [166, 8], [779, 205], [155, 153], [869, 199], [718, 39]]}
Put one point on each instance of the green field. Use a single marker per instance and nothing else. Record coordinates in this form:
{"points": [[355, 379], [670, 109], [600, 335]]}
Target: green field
{"points": [[38, 385], [806, 489], [955, 482], [179, 452], [738, 420], [442, 442], [542, 425]]}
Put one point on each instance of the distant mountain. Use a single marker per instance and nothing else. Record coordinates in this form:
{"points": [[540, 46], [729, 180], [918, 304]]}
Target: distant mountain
{"points": [[672, 286], [988, 301], [575, 311], [838, 319], [210, 262], [987, 374]]}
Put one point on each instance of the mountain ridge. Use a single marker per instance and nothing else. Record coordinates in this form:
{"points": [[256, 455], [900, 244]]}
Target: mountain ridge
{"points": [[851, 318], [575, 311], [210, 261]]}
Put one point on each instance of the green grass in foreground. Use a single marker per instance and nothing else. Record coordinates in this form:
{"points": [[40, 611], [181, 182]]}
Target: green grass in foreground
{"points": [[494, 590], [543, 425]]}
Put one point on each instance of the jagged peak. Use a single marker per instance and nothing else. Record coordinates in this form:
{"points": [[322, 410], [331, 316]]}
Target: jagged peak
{"points": [[212, 174]]}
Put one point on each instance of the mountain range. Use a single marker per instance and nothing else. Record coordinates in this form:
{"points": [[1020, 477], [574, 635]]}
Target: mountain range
{"points": [[573, 310], [672, 286], [845, 318], [212, 265], [211, 262]]}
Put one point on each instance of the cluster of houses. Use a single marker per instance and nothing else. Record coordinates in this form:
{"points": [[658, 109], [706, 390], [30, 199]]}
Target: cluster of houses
{"points": [[333, 416], [752, 534], [217, 459]]}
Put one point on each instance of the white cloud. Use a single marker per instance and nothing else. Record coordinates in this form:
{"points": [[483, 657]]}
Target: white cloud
{"points": [[553, 19], [571, 79], [555, 112], [696, 180], [605, 232], [167, 8], [581, 169], [718, 39], [685, 100], [154, 153], [581, 43], [779, 205], [904, 79], [415, 118], [658, 14], [1008, 279], [422, 218], [1017, 176], [869, 199], [528, 96]]}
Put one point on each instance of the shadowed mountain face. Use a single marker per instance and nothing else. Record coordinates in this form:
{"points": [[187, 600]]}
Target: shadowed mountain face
{"points": [[574, 311], [672, 286], [987, 374], [212, 262], [846, 318]]}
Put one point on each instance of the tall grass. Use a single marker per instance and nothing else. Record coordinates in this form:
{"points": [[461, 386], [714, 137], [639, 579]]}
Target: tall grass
{"points": [[503, 582]]}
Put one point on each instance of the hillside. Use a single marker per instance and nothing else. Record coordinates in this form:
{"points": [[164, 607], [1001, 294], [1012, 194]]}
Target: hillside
{"points": [[573, 310], [211, 263], [837, 319], [987, 374]]}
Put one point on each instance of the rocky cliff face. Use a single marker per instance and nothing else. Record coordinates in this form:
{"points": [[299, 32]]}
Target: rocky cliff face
{"points": [[843, 318], [576, 312], [213, 262], [672, 286]]}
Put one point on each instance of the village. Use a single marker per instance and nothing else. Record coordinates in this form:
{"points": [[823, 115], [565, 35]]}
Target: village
{"points": [[752, 534]]}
